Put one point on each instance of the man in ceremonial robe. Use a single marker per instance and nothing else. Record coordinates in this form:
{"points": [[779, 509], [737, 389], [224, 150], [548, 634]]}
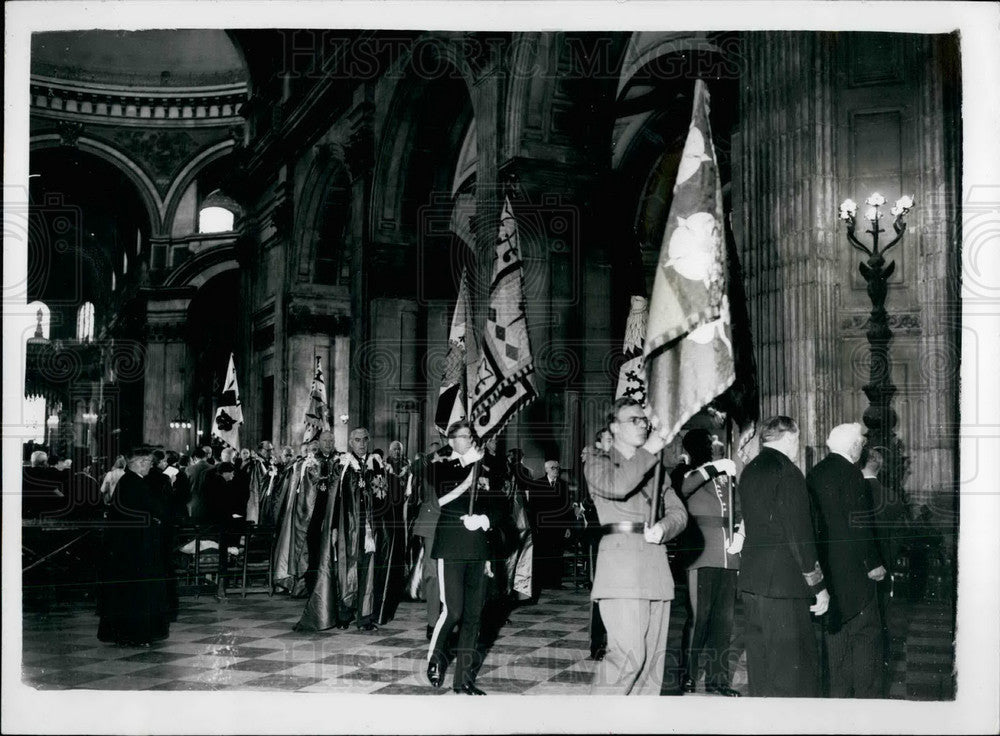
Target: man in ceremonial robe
{"points": [[272, 505], [134, 602], [520, 561], [353, 566], [291, 555]]}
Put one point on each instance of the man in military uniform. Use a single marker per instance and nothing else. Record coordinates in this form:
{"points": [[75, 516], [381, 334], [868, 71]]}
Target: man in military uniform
{"points": [[708, 489], [632, 584], [468, 484]]}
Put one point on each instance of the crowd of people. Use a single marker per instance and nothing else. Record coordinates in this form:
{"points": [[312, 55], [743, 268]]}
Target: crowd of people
{"points": [[355, 532]]}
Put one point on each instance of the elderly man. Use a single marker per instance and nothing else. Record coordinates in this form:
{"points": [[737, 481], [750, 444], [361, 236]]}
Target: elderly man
{"points": [[849, 554], [780, 573], [632, 584], [348, 570]]}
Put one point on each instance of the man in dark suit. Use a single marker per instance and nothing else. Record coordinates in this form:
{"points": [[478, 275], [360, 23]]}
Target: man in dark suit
{"points": [[197, 508], [632, 583], [888, 516], [552, 516], [222, 500], [780, 573], [848, 553]]}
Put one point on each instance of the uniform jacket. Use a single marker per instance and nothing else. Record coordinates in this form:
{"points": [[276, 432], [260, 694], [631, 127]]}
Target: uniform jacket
{"points": [[711, 502], [452, 541], [847, 549], [779, 558], [430, 511], [627, 565]]}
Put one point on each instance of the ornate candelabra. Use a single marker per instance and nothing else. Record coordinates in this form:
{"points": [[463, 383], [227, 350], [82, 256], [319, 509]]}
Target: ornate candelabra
{"points": [[879, 417]]}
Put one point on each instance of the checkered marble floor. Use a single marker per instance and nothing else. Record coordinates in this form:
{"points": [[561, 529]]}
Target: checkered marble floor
{"points": [[248, 644]]}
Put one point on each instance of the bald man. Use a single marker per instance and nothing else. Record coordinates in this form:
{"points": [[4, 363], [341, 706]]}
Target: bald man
{"points": [[849, 555]]}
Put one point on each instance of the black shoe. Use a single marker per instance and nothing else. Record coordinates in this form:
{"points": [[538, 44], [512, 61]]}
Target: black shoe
{"points": [[343, 625], [598, 654], [723, 690], [687, 685], [370, 626], [434, 674], [468, 689], [430, 632]]}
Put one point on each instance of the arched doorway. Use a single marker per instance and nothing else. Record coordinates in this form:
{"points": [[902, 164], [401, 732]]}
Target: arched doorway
{"points": [[420, 256], [211, 332]]}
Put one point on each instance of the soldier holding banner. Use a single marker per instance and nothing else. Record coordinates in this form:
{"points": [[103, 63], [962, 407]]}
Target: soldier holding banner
{"points": [[632, 584]]}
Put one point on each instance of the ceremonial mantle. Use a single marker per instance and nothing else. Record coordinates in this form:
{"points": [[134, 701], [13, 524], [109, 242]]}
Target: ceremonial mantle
{"points": [[291, 559]]}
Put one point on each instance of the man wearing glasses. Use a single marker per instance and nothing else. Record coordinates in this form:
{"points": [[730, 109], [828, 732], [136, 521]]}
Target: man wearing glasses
{"points": [[467, 482], [632, 584]]}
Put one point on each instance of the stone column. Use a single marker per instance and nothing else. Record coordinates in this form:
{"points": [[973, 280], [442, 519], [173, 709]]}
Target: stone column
{"points": [[938, 279], [786, 202], [167, 383], [359, 156]]}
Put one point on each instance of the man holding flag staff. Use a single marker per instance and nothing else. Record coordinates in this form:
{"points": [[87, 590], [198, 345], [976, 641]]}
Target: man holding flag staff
{"points": [[632, 584], [467, 482]]}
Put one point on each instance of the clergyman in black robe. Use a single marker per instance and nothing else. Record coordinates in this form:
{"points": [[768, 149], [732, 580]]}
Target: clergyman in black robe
{"points": [[134, 602]]}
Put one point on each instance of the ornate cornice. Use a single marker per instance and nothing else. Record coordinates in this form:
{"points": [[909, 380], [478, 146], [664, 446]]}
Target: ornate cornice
{"points": [[138, 106], [300, 319]]}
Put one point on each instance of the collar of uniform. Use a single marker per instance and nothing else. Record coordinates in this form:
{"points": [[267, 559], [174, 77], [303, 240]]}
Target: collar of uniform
{"points": [[468, 458]]}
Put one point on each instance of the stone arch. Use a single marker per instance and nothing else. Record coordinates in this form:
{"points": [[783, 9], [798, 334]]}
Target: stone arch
{"points": [[327, 177], [559, 91], [191, 169], [410, 97], [202, 267], [148, 193]]}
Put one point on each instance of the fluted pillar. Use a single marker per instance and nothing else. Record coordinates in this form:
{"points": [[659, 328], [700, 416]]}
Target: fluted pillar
{"points": [[786, 204]]}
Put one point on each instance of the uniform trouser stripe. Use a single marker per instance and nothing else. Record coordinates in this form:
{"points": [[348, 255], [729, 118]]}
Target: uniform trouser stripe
{"points": [[444, 611]]}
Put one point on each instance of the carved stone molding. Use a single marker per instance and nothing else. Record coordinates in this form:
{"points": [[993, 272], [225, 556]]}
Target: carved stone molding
{"points": [[359, 146], [69, 132], [166, 332], [300, 319], [905, 322], [197, 106]]}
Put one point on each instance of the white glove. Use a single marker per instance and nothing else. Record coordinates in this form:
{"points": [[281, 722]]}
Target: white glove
{"points": [[489, 569], [725, 465], [736, 545], [653, 534], [476, 521], [369, 539], [878, 574]]}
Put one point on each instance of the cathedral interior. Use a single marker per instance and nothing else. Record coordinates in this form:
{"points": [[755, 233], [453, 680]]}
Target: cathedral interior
{"points": [[284, 196]]}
